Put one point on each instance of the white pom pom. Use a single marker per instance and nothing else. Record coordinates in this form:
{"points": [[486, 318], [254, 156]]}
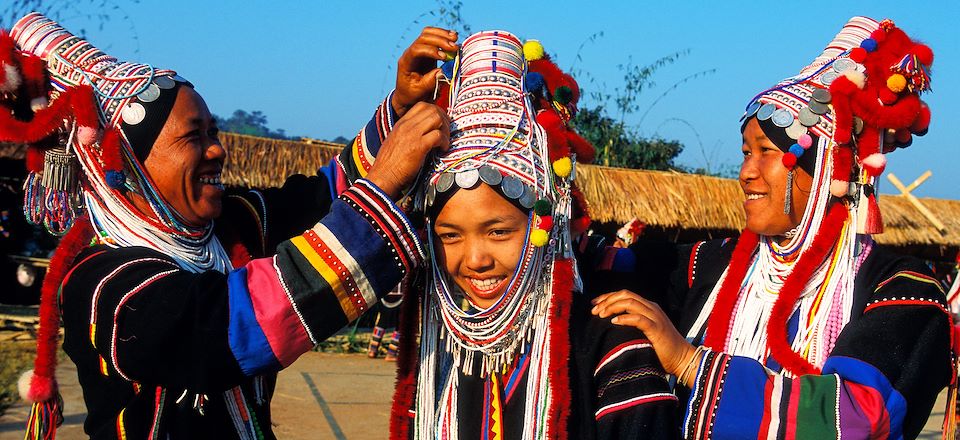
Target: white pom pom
{"points": [[39, 103], [12, 81], [857, 77], [23, 385], [875, 164], [839, 188]]}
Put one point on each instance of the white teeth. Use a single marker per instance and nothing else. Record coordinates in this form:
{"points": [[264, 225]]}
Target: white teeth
{"points": [[212, 180], [486, 284], [754, 196]]}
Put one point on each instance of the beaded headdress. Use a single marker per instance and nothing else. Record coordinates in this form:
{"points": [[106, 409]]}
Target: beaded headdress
{"points": [[856, 102], [90, 121], [496, 102]]}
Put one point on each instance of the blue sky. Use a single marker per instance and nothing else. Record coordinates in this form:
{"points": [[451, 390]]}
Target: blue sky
{"points": [[318, 68]]}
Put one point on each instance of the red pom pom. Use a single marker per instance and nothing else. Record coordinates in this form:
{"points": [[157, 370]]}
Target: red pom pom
{"points": [[34, 160], [545, 223], [843, 86], [924, 54], [789, 161], [887, 97], [556, 134], [879, 35], [584, 150], [42, 388], [923, 119], [902, 136], [858, 54]]}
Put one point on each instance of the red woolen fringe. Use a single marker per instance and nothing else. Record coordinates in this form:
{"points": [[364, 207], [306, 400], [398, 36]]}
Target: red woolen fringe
{"points": [[110, 151], [874, 220], [405, 391], [559, 374], [75, 241], [718, 325], [77, 102], [822, 244]]}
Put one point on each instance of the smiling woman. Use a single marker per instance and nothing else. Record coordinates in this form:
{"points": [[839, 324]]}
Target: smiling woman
{"points": [[803, 327], [180, 304], [507, 348]]}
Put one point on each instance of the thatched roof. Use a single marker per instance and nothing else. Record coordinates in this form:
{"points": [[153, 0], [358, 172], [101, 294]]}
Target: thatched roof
{"points": [[260, 162], [12, 151], [689, 201], [666, 200]]}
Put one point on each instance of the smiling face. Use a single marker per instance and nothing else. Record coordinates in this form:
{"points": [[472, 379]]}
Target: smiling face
{"points": [[186, 161], [481, 238], [763, 179]]}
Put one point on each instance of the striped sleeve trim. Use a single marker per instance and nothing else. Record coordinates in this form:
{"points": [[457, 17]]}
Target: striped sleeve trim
{"points": [[910, 275], [367, 144], [620, 350], [736, 396], [705, 395], [389, 222], [629, 403]]}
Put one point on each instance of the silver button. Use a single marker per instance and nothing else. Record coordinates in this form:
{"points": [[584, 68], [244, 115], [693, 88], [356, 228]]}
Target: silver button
{"points": [[782, 118], [766, 111], [808, 118], [467, 179], [133, 113]]}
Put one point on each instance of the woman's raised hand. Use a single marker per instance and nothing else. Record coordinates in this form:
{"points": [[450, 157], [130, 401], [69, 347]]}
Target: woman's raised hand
{"points": [[417, 69]]}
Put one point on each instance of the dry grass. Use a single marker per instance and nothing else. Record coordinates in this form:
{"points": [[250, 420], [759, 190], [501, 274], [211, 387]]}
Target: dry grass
{"points": [[17, 357], [256, 162]]}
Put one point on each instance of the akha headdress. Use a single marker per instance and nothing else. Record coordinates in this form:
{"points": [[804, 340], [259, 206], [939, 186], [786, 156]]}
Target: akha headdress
{"points": [[90, 121], [837, 118], [498, 105]]}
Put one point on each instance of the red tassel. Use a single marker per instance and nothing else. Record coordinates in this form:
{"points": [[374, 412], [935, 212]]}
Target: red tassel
{"points": [[874, 221], [718, 325], [43, 386], [110, 151], [405, 390], [842, 163], [35, 159], [559, 408], [583, 148], [823, 243], [76, 102]]}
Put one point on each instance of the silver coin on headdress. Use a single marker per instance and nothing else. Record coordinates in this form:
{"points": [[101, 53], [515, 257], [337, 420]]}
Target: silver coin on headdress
{"points": [[795, 130], [857, 125], [149, 94], [822, 96], [808, 118], [467, 179], [528, 198], [828, 77], [164, 82], [444, 182], [133, 113], [431, 194], [511, 187], [843, 64], [751, 110], [818, 108], [766, 111], [490, 175], [782, 118]]}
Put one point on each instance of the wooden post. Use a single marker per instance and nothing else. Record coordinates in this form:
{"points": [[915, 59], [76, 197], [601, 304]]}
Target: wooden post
{"points": [[905, 190]]}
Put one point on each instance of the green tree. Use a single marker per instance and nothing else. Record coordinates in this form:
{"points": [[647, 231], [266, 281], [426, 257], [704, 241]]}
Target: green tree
{"points": [[253, 124], [620, 147]]}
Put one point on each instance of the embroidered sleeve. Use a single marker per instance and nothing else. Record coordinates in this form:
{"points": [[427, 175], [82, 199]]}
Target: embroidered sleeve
{"points": [[319, 281], [881, 379], [356, 160]]}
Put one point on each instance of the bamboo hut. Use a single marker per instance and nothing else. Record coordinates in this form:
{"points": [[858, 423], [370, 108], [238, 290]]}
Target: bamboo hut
{"points": [[675, 206]]}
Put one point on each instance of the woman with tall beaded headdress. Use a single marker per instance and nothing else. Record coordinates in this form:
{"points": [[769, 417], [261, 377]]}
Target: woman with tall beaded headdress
{"points": [[178, 325], [803, 327], [507, 347]]}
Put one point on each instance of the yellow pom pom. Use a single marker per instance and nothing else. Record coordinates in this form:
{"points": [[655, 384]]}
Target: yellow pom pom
{"points": [[563, 167], [532, 50], [896, 83], [539, 237]]}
